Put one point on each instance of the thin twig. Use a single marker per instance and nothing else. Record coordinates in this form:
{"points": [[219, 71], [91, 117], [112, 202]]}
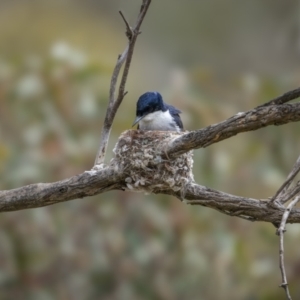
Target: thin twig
{"points": [[290, 193], [105, 132], [136, 32], [284, 187], [286, 97], [280, 231], [129, 32], [114, 102]]}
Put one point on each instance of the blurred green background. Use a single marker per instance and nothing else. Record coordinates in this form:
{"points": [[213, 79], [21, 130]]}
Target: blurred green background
{"points": [[211, 59]]}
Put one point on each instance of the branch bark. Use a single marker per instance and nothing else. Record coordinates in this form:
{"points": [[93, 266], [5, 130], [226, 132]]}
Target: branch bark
{"points": [[247, 208], [42, 194], [92, 183], [254, 119]]}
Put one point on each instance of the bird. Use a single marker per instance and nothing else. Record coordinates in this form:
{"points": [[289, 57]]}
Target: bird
{"points": [[152, 113]]}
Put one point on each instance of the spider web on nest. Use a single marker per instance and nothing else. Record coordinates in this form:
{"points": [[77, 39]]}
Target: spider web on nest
{"points": [[139, 154]]}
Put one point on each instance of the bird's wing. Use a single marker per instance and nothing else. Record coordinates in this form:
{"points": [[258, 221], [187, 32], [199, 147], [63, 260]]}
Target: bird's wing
{"points": [[175, 112]]}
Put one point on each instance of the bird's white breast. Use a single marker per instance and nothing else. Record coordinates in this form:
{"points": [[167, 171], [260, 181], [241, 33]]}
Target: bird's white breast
{"points": [[158, 120]]}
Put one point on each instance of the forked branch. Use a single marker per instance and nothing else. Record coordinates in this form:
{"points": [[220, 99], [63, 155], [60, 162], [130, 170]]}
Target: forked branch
{"points": [[115, 101], [283, 191], [254, 119]]}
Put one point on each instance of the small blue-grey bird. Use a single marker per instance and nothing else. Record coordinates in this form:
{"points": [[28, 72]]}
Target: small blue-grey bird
{"points": [[152, 113]]}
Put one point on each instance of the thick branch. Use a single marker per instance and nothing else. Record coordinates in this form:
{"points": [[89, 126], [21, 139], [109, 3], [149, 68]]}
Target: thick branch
{"points": [[246, 208], [97, 182], [42, 194], [254, 119]]}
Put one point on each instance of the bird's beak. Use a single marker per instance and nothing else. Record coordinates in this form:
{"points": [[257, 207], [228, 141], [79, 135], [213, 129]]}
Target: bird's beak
{"points": [[137, 119]]}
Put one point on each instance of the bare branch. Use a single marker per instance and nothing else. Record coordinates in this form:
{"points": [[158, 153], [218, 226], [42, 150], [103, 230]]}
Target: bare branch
{"points": [[129, 32], [105, 132], [290, 193], [95, 182], [114, 102], [245, 121], [246, 208], [286, 97], [43, 194], [280, 231], [283, 189]]}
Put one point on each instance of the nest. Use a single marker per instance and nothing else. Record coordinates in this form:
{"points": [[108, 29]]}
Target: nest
{"points": [[140, 155]]}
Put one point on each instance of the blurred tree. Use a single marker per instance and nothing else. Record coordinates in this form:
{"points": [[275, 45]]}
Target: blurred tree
{"points": [[128, 246]]}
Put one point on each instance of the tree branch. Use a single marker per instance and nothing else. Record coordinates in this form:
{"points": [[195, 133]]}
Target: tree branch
{"points": [[280, 231], [115, 176], [246, 208], [42, 194], [283, 190], [96, 182], [290, 193], [114, 102], [254, 119], [286, 97]]}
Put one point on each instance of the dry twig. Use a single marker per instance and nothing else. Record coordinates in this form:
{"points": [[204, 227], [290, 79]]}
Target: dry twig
{"points": [[282, 191], [280, 231], [114, 102], [286, 97]]}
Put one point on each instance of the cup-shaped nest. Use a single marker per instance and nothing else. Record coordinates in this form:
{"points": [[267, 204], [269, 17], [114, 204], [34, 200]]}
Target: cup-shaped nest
{"points": [[141, 156]]}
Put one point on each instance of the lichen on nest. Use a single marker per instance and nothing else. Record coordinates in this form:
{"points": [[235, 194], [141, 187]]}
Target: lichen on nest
{"points": [[139, 154]]}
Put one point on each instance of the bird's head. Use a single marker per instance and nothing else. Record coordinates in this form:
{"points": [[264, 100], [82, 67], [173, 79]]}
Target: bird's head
{"points": [[148, 103]]}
